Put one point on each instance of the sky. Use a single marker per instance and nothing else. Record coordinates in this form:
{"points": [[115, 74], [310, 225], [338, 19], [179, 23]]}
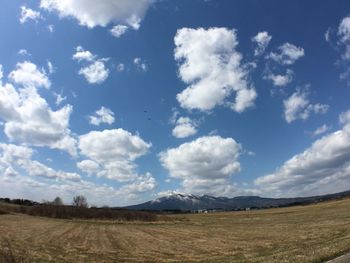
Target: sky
{"points": [[124, 101]]}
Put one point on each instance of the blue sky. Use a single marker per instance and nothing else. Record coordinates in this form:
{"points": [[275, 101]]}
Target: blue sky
{"points": [[125, 101]]}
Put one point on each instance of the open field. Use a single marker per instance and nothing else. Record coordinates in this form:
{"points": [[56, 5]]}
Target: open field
{"points": [[311, 233]]}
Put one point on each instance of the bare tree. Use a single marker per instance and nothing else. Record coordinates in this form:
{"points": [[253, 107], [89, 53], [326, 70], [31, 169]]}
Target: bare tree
{"points": [[57, 201], [80, 201]]}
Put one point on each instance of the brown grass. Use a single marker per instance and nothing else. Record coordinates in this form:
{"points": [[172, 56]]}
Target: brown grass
{"points": [[8, 254], [297, 234]]}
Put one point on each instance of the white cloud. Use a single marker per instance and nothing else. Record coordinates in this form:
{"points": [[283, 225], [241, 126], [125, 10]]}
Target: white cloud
{"points": [[115, 151], [28, 14], [27, 116], [89, 167], [10, 172], [27, 74], [322, 168], [344, 37], [134, 22], [344, 117], [1, 73], [204, 165], [320, 130], [83, 55], [174, 115], [19, 156], [118, 30], [327, 35], [262, 40], [344, 29], [250, 153], [35, 168], [120, 67], [51, 28], [212, 67], [280, 80], [50, 67], [93, 13], [59, 98], [168, 193], [96, 73], [185, 127], [288, 54], [140, 185], [24, 52], [103, 115], [96, 194], [298, 106], [140, 65]]}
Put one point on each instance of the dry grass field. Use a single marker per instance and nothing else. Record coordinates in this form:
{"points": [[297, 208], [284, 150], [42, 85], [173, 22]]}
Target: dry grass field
{"points": [[311, 233]]}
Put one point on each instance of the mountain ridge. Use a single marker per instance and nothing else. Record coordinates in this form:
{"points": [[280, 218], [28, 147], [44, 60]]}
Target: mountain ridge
{"points": [[190, 202]]}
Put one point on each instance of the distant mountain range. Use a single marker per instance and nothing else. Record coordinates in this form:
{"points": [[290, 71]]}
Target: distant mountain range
{"points": [[189, 202]]}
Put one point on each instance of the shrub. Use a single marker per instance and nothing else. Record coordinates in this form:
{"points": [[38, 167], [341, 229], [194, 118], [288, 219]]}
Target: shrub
{"points": [[71, 212], [3, 212], [80, 201]]}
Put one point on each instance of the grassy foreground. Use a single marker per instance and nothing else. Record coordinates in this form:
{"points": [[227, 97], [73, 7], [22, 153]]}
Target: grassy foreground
{"points": [[311, 233]]}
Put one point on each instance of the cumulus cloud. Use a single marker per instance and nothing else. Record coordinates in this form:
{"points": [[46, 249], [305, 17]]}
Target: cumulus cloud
{"points": [[140, 64], [96, 194], [211, 66], [322, 168], [27, 116], [118, 30], [96, 72], [83, 55], [20, 156], [103, 115], [280, 80], [288, 54], [262, 40], [10, 172], [28, 14], [88, 166], [115, 151], [35, 168], [298, 106], [27, 74], [204, 165], [93, 13], [142, 184], [185, 127]]}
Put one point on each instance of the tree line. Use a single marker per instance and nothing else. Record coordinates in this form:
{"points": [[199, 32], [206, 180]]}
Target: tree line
{"points": [[79, 209]]}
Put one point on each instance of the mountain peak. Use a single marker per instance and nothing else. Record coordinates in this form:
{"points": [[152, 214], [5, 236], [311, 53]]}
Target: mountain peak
{"points": [[186, 202]]}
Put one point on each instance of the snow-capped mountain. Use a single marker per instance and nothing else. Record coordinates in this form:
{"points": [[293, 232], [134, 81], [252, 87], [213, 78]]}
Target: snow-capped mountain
{"points": [[186, 202]]}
